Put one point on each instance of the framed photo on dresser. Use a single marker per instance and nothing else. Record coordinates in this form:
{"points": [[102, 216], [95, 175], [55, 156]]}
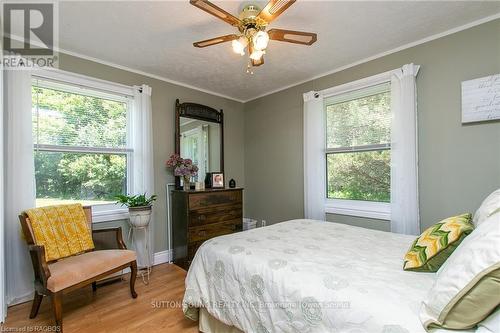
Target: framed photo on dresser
{"points": [[217, 180]]}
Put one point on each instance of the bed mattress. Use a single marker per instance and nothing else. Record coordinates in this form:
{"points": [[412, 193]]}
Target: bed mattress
{"points": [[307, 276]]}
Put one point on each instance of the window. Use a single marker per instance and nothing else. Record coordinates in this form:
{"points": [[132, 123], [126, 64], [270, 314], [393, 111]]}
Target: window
{"points": [[358, 147], [81, 142]]}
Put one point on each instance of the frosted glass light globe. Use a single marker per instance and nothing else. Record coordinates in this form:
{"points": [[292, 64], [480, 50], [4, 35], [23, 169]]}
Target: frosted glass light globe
{"points": [[260, 40], [257, 54], [239, 45]]}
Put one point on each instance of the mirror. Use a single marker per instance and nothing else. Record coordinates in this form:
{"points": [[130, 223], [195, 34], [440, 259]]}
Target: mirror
{"points": [[200, 141], [199, 136]]}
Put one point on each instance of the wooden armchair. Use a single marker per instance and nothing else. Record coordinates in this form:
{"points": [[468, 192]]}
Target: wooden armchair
{"points": [[54, 278]]}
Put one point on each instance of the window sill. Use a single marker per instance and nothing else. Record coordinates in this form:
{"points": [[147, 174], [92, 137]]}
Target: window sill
{"points": [[109, 215], [367, 209]]}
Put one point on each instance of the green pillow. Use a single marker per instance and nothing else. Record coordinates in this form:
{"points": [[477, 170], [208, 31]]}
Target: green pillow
{"points": [[431, 249]]}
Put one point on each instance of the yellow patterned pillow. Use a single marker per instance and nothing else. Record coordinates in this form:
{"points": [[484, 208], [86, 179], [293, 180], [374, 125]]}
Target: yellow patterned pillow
{"points": [[62, 230], [431, 249]]}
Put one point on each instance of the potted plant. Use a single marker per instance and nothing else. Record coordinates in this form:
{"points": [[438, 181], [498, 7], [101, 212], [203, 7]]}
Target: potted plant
{"points": [[139, 208], [182, 167]]}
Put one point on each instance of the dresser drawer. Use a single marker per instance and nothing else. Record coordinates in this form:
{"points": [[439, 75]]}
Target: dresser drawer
{"points": [[207, 199], [207, 231], [213, 215], [198, 216]]}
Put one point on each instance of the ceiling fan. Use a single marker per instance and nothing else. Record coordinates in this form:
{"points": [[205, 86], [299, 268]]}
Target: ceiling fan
{"points": [[252, 23]]}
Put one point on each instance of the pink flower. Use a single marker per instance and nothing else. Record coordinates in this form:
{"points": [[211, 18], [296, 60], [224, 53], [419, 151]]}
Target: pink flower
{"points": [[181, 167]]}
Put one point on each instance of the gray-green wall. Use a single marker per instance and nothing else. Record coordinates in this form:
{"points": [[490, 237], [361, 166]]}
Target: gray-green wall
{"points": [[163, 102], [458, 164]]}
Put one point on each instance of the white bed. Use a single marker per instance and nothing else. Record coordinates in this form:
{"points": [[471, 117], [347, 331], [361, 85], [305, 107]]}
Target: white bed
{"points": [[307, 276]]}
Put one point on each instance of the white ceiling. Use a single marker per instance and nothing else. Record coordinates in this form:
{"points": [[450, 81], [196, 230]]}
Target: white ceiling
{"points": [[156, 37]]}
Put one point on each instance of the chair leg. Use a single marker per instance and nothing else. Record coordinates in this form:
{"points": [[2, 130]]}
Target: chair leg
{"points": [[57, 299], [36, 305], [133, 276], [94, 286]]}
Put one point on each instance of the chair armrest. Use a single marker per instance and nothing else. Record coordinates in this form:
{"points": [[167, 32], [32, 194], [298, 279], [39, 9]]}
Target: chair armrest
{"points": [[40, 266], [118, 234]]}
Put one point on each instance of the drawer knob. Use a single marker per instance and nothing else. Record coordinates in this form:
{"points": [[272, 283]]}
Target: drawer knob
{"points": [[202, 217], [202, 233]]}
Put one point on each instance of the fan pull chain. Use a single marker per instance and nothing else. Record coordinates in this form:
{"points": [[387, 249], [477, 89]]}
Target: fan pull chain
{"points": [[249, 67]]}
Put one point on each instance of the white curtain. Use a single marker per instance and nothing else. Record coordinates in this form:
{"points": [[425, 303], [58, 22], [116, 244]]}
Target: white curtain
{"points": [[204, 151], [3, 298], [314, 157], [142, 143], [404, 153], [19, 182]]}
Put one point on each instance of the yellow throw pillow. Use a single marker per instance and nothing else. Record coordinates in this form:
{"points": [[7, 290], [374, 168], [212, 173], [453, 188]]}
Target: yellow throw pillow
{"points": [[431, 249], [62, 230]]}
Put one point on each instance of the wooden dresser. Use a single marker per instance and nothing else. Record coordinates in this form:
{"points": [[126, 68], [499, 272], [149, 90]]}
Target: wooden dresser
{"points": [[200, 215]]}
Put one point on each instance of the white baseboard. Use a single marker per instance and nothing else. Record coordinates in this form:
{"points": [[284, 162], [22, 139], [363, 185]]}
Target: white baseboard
{"points": [[22, 299], [162, 257]]}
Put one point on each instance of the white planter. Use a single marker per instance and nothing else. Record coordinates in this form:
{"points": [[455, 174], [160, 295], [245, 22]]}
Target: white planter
{"points": [[140, 216]]}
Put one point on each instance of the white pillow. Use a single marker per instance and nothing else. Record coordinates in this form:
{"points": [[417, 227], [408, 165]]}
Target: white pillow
{"points": [[466, 288], [490, 324], [490, 204]]}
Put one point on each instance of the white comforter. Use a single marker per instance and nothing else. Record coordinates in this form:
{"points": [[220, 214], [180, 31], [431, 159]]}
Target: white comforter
{"points": [[308, 276]]}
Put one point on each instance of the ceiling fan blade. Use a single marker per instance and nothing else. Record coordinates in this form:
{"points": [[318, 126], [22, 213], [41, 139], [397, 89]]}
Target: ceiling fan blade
{"points": [[216, 11], [274, 8], [216, 40], [290, 36]]}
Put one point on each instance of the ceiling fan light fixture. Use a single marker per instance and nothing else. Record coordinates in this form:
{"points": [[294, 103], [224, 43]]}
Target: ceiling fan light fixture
{"points": [[249, 12], [260, 40], [239, 45], [252, 24], [257, 54]]}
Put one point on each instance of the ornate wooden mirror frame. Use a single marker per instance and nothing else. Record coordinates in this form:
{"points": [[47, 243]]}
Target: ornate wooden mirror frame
{"points": [[199, 112]]}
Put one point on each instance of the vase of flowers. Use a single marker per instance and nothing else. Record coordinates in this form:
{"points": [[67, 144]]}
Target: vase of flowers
{"points": [[182, 167]]}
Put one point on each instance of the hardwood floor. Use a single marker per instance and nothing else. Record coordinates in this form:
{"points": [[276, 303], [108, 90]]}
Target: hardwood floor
{"points": [[111, 309]]}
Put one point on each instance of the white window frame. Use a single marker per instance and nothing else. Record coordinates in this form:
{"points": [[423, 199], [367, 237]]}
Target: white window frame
{"points": [[103, 89], [3, 291], [358, 208]]}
